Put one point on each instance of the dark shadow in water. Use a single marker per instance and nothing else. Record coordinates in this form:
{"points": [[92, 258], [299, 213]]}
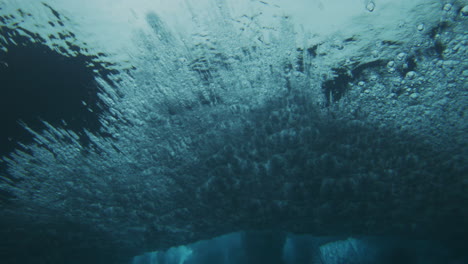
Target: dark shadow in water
{"points": [[39, 83]]}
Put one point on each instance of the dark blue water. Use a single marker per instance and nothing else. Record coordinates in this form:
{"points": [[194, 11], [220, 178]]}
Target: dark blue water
{"points": [[205, 154]]}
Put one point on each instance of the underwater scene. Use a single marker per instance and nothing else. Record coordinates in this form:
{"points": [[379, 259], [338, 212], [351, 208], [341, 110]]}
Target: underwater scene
{"points": [[233, 131]]}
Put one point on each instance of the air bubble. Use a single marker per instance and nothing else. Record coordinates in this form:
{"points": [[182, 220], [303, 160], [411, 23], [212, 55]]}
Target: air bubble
{"points": [[410, 75], [464, 11], [370, 6], [401, 56], [447, 7], [421, 27]]}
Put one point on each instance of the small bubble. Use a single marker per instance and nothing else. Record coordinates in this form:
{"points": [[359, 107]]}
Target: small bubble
{"points": [[421, 27], [410, 75], [464, 11], [370, 6], [447, 7], [401, 56]]}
